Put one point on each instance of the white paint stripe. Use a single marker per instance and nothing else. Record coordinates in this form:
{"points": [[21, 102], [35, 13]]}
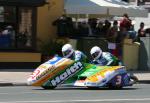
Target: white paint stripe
{"points": [[63, 61], [70, 101]]}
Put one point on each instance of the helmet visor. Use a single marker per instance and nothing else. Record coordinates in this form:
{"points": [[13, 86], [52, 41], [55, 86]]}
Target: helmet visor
{"points": [[94, 55], [67, 52]]}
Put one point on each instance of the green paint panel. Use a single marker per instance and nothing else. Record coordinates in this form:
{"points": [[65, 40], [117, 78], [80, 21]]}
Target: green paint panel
{"points": [[88, 70]]}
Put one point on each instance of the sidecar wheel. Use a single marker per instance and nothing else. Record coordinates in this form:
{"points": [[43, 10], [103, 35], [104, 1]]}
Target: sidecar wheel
{"points": [[48, 87]]}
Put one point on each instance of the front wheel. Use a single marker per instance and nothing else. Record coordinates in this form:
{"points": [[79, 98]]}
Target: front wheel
{"points": [[48, 87], [90, 87]]}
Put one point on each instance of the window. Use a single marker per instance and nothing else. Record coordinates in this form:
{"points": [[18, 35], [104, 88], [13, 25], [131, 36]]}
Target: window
{"points": [[25, 28], [7, 26], [16, 27]]}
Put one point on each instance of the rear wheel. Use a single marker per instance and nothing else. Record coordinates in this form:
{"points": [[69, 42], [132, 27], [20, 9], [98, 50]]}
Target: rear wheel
{"points": [[48, 87], [110, 86]]}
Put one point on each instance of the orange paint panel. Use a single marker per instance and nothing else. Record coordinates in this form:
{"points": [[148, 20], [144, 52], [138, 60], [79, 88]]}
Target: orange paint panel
{"points": [[94, 78], [45, 78]]}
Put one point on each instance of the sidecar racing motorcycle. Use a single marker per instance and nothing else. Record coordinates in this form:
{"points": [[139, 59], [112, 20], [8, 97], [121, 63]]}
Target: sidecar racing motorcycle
{"points": [[60, 71]]}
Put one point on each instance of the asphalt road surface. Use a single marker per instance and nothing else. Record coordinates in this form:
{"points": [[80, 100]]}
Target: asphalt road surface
{"points": [[139, 93]]}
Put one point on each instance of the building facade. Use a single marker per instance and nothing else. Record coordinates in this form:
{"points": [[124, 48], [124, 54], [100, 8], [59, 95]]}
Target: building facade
{"points": [[23, 24]]}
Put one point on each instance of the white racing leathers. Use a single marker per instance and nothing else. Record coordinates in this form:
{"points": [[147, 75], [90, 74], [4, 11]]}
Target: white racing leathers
{"points": [[106, 59]]}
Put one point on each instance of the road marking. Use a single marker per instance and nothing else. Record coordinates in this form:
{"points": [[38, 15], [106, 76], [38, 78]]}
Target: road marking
{"points": [[70, 101]]}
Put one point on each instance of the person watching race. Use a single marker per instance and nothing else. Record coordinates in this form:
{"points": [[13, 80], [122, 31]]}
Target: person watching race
{"points": [[70, 53], [103, 58]]}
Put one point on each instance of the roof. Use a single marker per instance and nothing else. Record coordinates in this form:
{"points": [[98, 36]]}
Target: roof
{"points": [[22, 2], [104, 7]]}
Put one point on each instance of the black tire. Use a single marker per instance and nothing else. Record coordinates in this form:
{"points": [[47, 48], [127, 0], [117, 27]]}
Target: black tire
{"points": [[115, 87], [93, 87], [49, 87]]}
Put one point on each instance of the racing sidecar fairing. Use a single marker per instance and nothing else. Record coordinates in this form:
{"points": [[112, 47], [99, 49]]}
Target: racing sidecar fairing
{"points": [[62, 71]]}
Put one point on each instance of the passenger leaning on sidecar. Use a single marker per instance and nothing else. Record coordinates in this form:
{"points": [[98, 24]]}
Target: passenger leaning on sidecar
{"points": [[103, 58], [69, 52]]}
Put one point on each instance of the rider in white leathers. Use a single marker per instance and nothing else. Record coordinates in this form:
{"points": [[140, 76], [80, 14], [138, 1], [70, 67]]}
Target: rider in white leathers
{"points": [[107, 59], [103, 58], [69, 52]]}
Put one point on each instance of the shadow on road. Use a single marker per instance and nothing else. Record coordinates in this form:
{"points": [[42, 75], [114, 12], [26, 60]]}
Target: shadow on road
{"points": [[75, 88]]}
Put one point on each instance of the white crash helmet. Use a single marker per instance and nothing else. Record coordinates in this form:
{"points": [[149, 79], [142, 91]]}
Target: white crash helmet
{"points": [[67, 50], [96, 52]]}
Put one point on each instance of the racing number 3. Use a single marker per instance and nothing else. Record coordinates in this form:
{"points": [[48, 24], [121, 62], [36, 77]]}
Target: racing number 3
{"points": [[118, 80]]}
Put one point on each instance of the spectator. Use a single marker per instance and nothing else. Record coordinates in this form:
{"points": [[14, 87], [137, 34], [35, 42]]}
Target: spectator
{"points": [[85, 28], [63, 25], [82, 29], [115, 25], [99, 29], [92, 23], [125, 23], [132, 32], [125, 27], [106, 28], [112, 35], [141, 31]]}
